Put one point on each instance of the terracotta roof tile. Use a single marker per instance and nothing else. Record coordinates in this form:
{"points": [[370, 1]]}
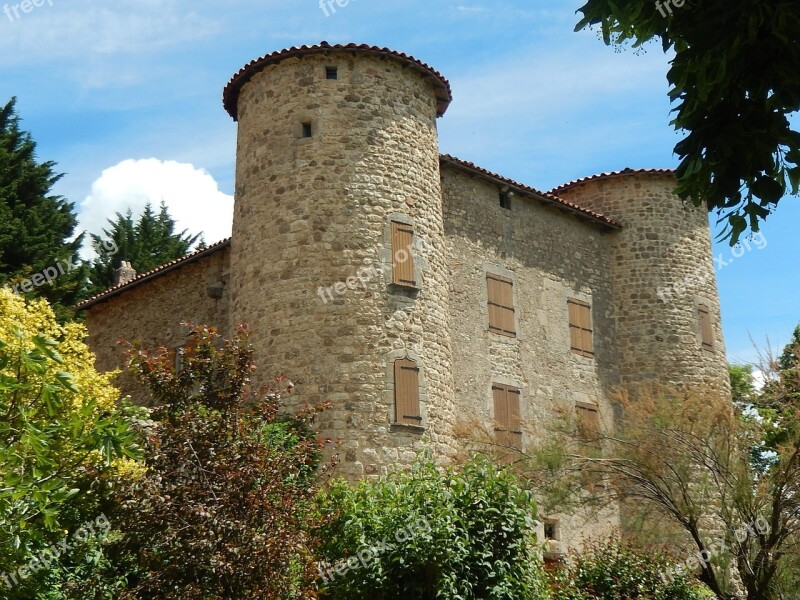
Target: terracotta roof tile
{"points": [[230, 94], [610, 175], [158, 271], [547, 197]]}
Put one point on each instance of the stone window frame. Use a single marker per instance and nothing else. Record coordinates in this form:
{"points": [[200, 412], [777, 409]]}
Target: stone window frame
{"points": [[698, 324], [587, 299], [385, 255], [422, 384], [316, 128], [495, 269]]}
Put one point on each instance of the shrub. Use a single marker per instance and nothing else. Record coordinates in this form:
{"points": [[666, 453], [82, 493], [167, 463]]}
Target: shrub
{"points": [[614, 570], [432, 533]]}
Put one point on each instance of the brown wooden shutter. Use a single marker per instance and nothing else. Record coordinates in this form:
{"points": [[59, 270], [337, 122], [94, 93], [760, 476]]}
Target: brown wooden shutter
{"points": [[588, 424], [706, 330], [406, 392], [403, 254], [508, 424], [501, 305], [580, 328]]}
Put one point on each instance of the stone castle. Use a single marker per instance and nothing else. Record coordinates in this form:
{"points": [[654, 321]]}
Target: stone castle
{"points": [[415, 290]]}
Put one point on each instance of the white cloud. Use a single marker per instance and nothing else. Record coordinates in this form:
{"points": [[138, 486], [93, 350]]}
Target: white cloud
{"points": [[192, 196]]}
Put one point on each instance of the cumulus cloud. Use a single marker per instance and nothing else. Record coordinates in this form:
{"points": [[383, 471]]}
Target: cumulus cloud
{"points": [[192, 196]]}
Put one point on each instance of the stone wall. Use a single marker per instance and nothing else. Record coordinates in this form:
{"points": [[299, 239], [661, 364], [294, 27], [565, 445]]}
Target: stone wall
{"points": [[314, 212], [152, 312], [662, 268], [550, 256]]}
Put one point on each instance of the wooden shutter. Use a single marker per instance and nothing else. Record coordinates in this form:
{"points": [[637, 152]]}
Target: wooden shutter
{"points": [[588, 424], [403, 254], [501, 305], [508, 424], [580, 327], [706, 330], [406, 392]]}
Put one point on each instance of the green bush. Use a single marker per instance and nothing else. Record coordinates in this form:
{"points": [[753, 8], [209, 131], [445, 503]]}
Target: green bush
{"points": [[613, 570], [432, 533]]}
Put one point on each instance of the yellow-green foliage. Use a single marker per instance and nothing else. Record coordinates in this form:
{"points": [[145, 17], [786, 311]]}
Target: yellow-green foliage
{"points": [[60, 426]]}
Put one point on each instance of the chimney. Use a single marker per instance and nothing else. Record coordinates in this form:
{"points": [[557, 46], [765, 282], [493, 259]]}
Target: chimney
{"points": [[124, 274]]}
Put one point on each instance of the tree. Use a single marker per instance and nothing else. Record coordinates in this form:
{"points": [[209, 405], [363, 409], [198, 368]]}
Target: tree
{"points": [[61, 433], [146, 244], [38, 249], [224, 509], [432, 533], [742, 385], [734, 80]]}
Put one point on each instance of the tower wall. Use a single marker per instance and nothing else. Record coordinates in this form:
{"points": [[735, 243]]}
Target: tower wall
{"points": [[662, 271], [311, 252]]}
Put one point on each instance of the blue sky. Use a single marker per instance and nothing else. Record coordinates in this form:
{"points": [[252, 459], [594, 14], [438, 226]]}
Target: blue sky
{"points": [[126, 98]]}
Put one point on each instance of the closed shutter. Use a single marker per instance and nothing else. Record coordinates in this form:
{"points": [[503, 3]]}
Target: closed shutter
{"points": [[706, 330], [406, 392], [588, 425], [403, 254], [501, 305], [580, 328], [508, 423]]}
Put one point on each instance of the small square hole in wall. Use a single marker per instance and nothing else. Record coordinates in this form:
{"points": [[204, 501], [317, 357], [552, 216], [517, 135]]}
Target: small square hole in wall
{"points": [[505, 200], [331, 73], [306, 129], [551, 529]]}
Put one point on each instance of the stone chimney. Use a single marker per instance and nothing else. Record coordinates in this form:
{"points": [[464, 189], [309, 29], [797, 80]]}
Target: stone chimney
{"points": [[124, 274]]}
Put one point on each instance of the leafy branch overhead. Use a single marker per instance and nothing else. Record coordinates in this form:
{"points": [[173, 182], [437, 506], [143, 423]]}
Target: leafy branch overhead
{"points": [[734, 82]]}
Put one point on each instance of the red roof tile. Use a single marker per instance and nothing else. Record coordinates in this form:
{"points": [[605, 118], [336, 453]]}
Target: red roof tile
{"points": [[546, 197], [230, 94], [157, 272], [612, 174]]}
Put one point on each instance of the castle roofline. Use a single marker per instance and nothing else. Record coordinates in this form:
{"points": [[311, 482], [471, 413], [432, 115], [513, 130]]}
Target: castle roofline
{"points": [[612, 175], [152, 274], [549, 198], [230, 94]]}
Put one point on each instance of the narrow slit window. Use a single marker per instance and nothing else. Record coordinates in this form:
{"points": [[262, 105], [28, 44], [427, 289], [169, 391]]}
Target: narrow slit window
{"points": [[406, 393], [505, 200], [403, 254], [580, 328], [551, 529], [307, 131], [331, 73], [501, 305], [507, 421], [706, 329]]}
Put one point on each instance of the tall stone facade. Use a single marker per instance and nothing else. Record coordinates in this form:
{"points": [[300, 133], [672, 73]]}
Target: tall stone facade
{"points": [[338, 152]]}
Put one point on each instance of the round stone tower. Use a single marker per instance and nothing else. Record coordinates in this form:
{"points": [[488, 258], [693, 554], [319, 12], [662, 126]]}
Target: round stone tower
{"points": [[337, 163], [666, 306]]}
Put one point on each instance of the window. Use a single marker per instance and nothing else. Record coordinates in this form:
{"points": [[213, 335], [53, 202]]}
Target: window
{"points": [[508, 425], [331, 73], [406, 393], [501, 305], [588, 424], [403, 254], [551, 529], [505, 199], [580, 328], [307, 130], [706, 329]]}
